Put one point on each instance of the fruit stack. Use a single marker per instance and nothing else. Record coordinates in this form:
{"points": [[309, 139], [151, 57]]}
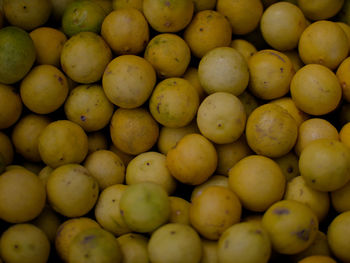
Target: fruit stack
{"points": [[174, 131]]}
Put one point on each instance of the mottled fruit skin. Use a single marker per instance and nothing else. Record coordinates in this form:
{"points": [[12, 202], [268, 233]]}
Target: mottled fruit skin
{"points": [[17, 54]]}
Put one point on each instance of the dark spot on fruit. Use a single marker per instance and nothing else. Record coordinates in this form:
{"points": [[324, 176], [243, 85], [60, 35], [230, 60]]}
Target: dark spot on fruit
{"points": [[172, 232], [276, 55], [94, 185], [24, 7], [226, 244], [281, 69], [132, 236], [147, 163], [158, 105], [121, 212], [83, 118], [86, 256], [313, 181], [258, 231], [167, 3], [167, 24], [113, 200], [87, 239], [301, 192], [290, 169], [281, 211], [201, 29], [61, 159], [16, 246], [303, 234], [177, 60], [226, 212], [219, 125]]}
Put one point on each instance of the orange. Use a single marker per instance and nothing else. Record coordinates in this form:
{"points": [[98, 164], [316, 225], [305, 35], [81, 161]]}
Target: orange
{"points": [[17, 54], [282, 25], [10, 106], [258, 182], [244, 15], [208, 29], [325, 43], [126, 31], [168, 16], [313, 129], [215, 210], [344, 134], [48, 44], [271, 131], [317, 259], [317, 10], [315, 89], [344, 78]]}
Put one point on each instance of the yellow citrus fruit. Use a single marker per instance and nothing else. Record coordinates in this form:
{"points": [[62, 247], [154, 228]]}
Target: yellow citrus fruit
{"points": [[85, 56], [71, 190], [282, 25], [44, 89], [81, 16], [317, 10], [325, 164], [68, 230], [180, 210], [314, 129], [318, 247], [126, 157], [246, 48], [325, 43], [249, 101], [245, 242], [88, 106], [258, 182], [200, 5], [244, 15], [318, 201], [145, 206], [221, 117], [318, 259], [97, 141], [223, 69], [25, 135], [133, 248], [338, 235], [346, 29], [344, 134], [271, 131], [169, 55], [220, 180], [191, 74], [22, 195], [48, 43], [133, 131], [168, 137], [168, 16], [27, 14], [24, 243], [10, 106], [209, 251], [6, 149], [62, 142], [344, 78], [17, 54], [119, 4], [174, 102], [289, 165], [94, 245], [230, 153], [150, 167], [315, 89], [294, 57], [208, 29], [193, 160], [106, 167], [128, 81], [291, 225], [215, 210], [340, 198], [132, 35], [107, 210], [288, 104], [270, 74], [48, 221], [44, 174], [175, 242]]}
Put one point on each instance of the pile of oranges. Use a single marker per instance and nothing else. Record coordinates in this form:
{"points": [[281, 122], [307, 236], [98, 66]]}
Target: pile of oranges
{"points": [[175, 131]]}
